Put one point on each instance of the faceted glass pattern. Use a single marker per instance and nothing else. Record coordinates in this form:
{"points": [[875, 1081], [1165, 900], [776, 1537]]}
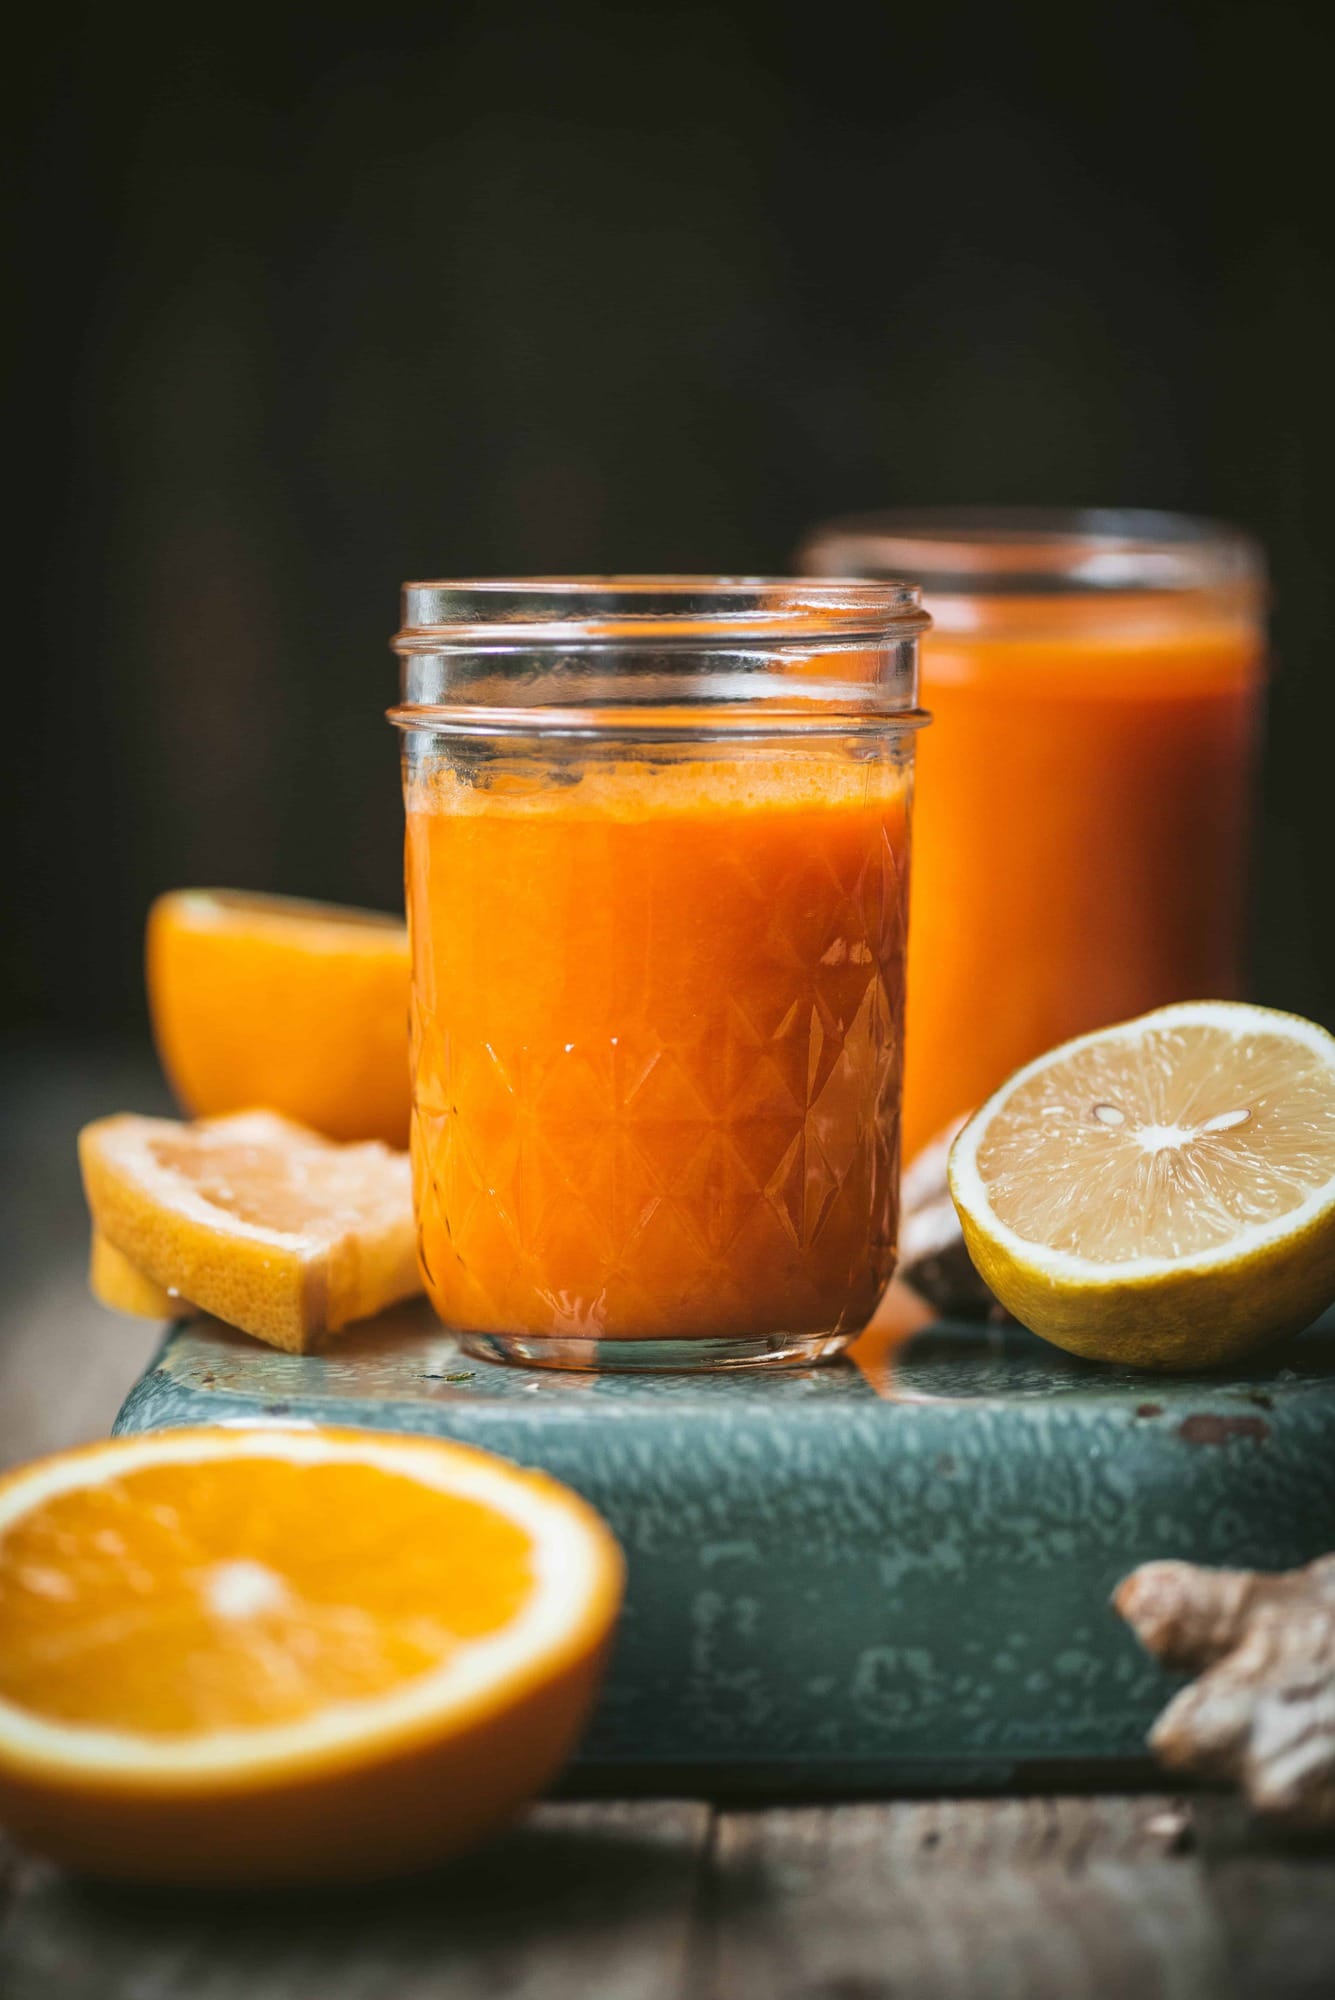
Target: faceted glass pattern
{"points": [[657, 1030]]}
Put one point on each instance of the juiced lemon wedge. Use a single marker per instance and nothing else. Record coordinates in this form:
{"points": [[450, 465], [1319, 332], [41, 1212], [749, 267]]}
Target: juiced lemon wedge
{"points": [[1163, 1192], [251, 1218]]}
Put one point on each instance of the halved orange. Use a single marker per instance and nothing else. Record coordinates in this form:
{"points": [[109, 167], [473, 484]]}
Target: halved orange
{"points": [[267, 1656], [267, 1226], [296, 1007]]}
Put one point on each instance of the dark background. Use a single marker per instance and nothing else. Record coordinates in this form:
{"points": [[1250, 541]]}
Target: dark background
{"points": [[309, 300]]}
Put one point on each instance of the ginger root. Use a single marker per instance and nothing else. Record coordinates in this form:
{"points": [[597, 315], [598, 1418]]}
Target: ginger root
{"points": [[932, 1256], [1262, 1711]]}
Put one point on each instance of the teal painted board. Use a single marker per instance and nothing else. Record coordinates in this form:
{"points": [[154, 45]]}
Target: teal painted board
{"points": [[840, 1579]]}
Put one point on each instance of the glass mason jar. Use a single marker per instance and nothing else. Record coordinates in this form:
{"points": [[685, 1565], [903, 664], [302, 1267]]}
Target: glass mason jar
{"points": [[657, 869], [1081, 847]]}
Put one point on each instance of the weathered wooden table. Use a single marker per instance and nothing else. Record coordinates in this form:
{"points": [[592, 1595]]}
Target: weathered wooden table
{"points": [[1034, 1896]]}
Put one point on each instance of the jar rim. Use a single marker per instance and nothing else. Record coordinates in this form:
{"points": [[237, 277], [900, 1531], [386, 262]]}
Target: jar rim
{"points": [[721, 721], [998, 551], [502, 612]]}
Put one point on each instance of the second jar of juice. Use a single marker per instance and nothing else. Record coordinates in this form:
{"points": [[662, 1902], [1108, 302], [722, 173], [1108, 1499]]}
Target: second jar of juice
{"points": [[657, 866], [1085, 795]]}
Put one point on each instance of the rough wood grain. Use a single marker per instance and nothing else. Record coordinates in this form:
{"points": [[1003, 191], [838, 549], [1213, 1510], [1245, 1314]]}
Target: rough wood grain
{"points": [[1274, 1904], [582, 1903], [1027, 1899], [1040, 1899]]}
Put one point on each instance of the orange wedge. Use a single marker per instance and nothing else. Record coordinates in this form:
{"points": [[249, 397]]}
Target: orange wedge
{"points": [[115, 1282], [295, 1007], [271, 1656], [253, 1219]]}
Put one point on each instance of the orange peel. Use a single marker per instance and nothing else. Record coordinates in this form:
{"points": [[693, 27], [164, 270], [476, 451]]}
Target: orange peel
{"points": [[277, 1655]]}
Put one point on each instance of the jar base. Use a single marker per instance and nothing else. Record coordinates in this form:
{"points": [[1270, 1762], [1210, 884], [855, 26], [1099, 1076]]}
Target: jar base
{"points": [[654, 1357]]}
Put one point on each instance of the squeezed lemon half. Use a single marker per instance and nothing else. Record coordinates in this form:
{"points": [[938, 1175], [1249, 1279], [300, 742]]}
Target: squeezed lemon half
{"points": [[1160, 1193]]}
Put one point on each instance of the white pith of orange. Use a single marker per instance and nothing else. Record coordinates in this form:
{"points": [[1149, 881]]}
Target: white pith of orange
{"points": [[477, 1672], [342, 1787]]}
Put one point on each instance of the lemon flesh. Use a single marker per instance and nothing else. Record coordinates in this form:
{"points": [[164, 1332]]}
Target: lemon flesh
{"points": [[1160, 1193]]}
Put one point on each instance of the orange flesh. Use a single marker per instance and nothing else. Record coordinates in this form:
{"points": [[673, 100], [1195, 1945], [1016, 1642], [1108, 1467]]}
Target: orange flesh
{"points": [[252, 1218], [285, 1188], [656, 1041], [1080, 837], [1163, 1147], [230, 1594], [296, 1007]]}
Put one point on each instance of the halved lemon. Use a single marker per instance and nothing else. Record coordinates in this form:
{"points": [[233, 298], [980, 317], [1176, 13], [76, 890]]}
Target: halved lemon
{"points": [[1162, 1192], [266, 1656], [295, 1007], [251, 1218]]}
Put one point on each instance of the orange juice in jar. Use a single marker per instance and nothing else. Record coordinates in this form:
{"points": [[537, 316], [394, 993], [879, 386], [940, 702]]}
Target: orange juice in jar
{"points": [[1084, 798], [657, 860]]}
